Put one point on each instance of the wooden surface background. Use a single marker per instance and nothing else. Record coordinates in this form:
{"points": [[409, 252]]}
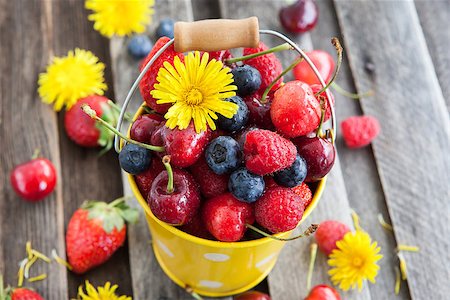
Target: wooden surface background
{"points": [[398, 49]]}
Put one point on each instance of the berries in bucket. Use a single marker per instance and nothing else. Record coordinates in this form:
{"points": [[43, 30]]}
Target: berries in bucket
{"points": [[209, 138]]}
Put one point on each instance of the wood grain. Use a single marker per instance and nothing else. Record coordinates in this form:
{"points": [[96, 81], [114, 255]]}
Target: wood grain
{"points": [[412, 151], [27, 124]]}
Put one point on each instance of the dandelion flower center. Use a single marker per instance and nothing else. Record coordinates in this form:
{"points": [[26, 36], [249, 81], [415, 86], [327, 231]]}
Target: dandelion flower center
{"points": [[194, 97], [358, 262]]}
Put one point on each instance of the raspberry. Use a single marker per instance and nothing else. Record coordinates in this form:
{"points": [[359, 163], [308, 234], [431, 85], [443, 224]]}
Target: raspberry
{"points": [[359, 131], [267, 152], [149, 79], [211, 184], [304, 192], [295, 111], [328, 233], [279, 209], [268, 66]]}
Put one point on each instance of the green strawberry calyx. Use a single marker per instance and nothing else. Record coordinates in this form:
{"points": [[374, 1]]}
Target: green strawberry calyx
{"points": [[113, 214], [110, 114]]}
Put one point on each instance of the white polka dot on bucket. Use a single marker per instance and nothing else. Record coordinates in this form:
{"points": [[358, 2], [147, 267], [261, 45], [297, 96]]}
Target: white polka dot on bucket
{"points": [[210, 284], [218, 257], [265, 260], [164, 248]]}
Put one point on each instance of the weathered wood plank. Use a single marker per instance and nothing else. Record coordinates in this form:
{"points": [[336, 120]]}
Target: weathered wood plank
{"points": [[388, 53], [434, 17], [85, 176], [288, 279], [27, 124], [205, 9], [362, 182]]}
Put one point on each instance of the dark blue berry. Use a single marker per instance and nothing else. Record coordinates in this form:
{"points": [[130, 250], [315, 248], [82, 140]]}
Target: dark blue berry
{"points": [[247, 79], [223, 155], [165, 28], [134, 159], [293, 175], [139, 46], [238, 120], [246, 186]]}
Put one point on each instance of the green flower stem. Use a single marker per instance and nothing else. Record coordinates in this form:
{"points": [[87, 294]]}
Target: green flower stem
{"points": [[339, 50], [166, 162], [36, 154], [322, 100], [278, 48], [310, 230], [117, 108], [91, 113], [266, 92], [345, 93], [311, 265]]}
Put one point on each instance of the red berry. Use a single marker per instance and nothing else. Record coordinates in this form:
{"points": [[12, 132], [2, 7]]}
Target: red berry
{"points": [[225, 217], [304, 192], [324, 63], [34, 180], [323, 292], [360, 131], [220, 55], [149, 79], [82, 129], [279, 209], [197, 227], [328, 233], [268, 66], [145, 179], [144, 126], [178, 207], [252, 295], [24, 294], [316, 88], [299, 17], [295, 111], [211, 184], [259, 113], [267, 152]]}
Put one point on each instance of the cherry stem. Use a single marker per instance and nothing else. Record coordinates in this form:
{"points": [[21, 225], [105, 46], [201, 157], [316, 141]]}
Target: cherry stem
{"points": [[117, 108], [36, 153], [347, 94], [269, 88], [278, 48], [91, 113], [190, 291], [322, 100], [337, 45], [310, 230], [166, 162], [312, 260]]}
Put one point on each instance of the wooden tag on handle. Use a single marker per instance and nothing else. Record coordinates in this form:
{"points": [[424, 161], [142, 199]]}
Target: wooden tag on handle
{"points": [[214, 35]]}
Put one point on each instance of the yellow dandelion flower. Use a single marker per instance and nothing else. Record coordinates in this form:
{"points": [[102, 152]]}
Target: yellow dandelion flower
{"points": [[106, 292], [354, 261], [69, 78], [120, 17], [196, 88]]}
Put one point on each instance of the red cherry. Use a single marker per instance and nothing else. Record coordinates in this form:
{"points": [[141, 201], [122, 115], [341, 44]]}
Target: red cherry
{"points": [[259, 113], [197, 228], [324, 63], [323, 292], [145, 179], [299, 17], [144, 126], [178, 207], [211, 184], [34, 180], [252, 295]]}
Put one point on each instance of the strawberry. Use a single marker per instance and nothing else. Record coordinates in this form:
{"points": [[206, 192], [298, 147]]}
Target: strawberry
{"points": [[149, 79], [323, 292], [295, 111], [279, 209], [360, 131], [211, 184], [220, 55], [95, 231], [267, 152], [145, 179], [304, 192], [324, 63], [23, 294], [268, 65], [85, 131], [328, 233], [196, 227], [316, 88]]}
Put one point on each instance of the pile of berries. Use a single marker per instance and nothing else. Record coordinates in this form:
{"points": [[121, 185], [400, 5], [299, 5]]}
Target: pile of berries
{"points": [[256, 167]]}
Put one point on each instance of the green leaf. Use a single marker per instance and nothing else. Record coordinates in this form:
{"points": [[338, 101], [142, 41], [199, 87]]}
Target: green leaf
{"points": [[130, 215]]}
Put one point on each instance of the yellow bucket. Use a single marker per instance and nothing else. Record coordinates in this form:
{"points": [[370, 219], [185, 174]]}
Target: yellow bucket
{"points": [[212, 268]]}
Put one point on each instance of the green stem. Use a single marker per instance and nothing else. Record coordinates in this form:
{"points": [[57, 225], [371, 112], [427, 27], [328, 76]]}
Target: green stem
{"points": [[190, 291], [322, 100], [2, 291], [90, 112], [345, 93], [338, 47], [311, 265], [166, 162], [119, 200], [278, 48], [117, 108], [266, 92], [310, 230], [36, 153]]}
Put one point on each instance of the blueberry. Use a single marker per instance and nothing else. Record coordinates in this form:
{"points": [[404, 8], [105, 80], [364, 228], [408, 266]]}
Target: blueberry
{"points": [[134, 159], [238, 120], [223, 155], [246, 186], [165, 28], [247, 79], [139, 46], [293, 175]]}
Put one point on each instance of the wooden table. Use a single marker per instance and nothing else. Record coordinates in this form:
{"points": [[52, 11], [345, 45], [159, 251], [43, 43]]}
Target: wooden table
{"points": [[399, 49]]}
